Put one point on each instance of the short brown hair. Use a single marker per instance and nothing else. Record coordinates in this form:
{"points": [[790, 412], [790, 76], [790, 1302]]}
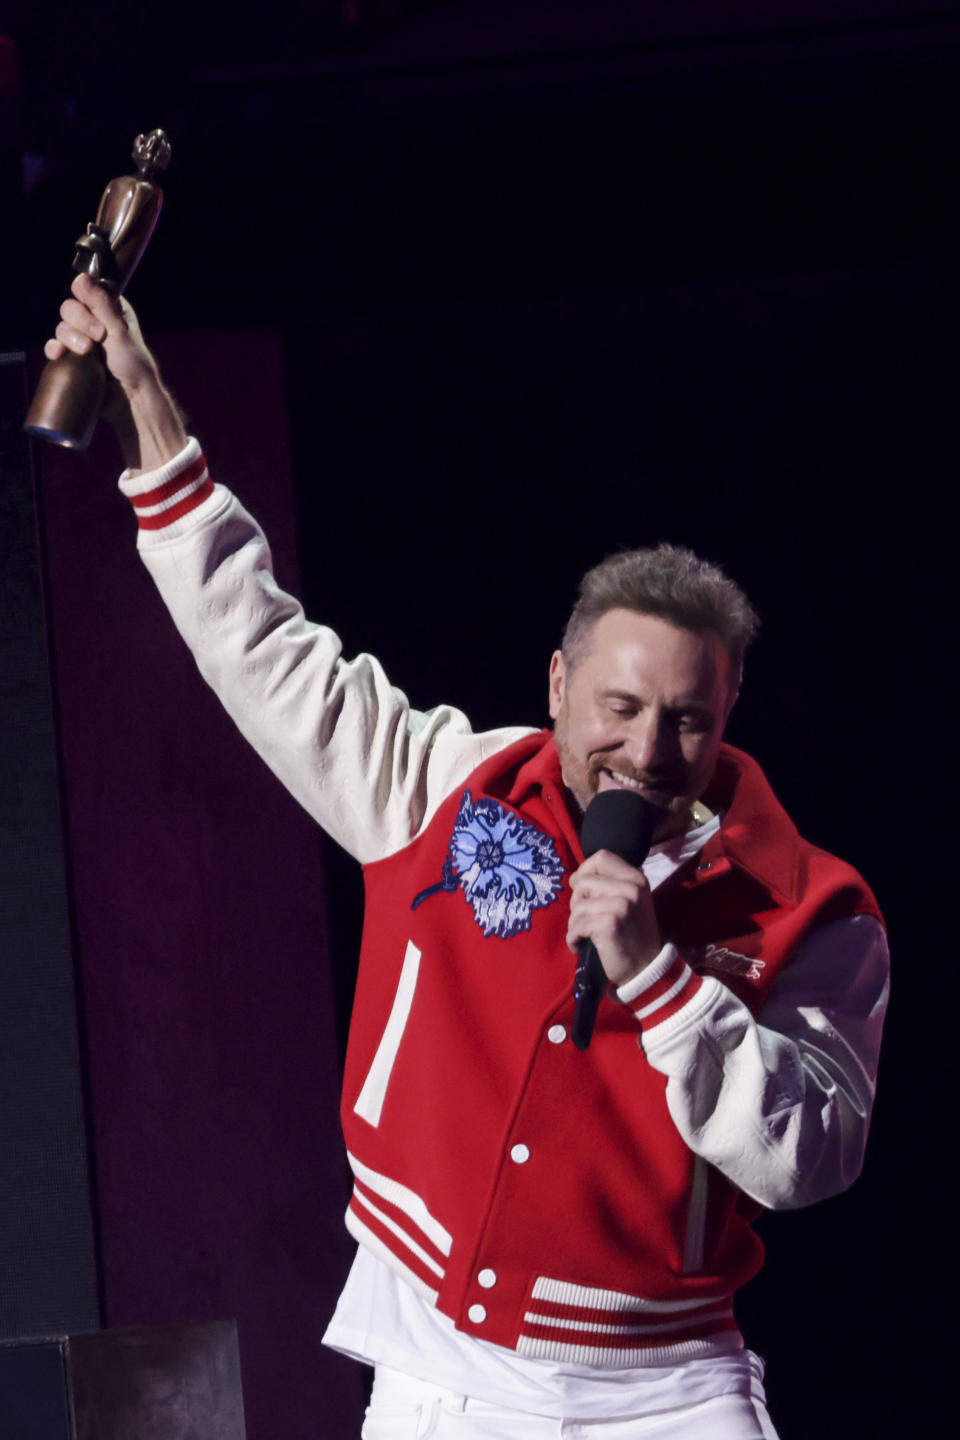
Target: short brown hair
{"points": [[671, 582]]}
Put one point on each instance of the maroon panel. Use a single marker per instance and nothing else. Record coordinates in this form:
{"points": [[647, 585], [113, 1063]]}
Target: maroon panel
{"points": [[201, 934]]}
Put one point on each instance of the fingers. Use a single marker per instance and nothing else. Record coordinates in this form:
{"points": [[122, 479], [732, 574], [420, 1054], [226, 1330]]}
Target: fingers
{"points": [[611, 905], [70, 338], [79, 329], [91, 316], [100, 303], [599, 918], [82, 320], [627, 887], [608, 876], [618, 902], [605, 862], [602, 910]]}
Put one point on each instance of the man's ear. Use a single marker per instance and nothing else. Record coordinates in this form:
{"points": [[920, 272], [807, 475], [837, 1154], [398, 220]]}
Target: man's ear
{"points": [[558, 678]]}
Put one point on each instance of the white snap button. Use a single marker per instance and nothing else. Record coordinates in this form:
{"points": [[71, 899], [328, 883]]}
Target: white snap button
{"points": [[477, 1314], [487, 1278], [520, 1153], [556, 1034]]}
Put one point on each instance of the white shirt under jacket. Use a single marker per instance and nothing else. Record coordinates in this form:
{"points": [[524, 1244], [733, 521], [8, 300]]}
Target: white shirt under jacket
{"points": [[372, 771]]}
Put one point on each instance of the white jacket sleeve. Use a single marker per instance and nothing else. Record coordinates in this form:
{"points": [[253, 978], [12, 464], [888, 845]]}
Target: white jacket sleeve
{"points": [[779, 1104], [340, 737]]}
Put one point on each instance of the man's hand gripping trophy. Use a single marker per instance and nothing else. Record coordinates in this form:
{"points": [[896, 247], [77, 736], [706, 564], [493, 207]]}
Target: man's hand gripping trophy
{"points": [[98, 362]]}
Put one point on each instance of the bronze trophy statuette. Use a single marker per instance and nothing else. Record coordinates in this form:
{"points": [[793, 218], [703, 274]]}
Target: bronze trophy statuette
{"points": [[69, 395]]}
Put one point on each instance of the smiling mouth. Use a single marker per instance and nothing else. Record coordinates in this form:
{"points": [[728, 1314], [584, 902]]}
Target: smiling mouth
{"points": [[640, 787]]}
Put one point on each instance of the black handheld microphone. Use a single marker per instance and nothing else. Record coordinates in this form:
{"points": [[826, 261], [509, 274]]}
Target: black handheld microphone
{"points": [[622, 822]]}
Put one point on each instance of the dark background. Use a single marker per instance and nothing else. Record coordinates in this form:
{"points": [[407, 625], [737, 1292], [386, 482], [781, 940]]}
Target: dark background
{"points": [[554, 278]]}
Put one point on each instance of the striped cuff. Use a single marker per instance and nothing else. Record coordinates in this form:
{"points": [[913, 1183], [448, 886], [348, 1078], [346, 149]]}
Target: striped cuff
{"points": [[165, 500], [660, 991], [591, 1326]]}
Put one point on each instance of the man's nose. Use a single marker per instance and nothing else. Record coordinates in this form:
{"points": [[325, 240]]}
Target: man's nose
{"points": [[646, 742]]}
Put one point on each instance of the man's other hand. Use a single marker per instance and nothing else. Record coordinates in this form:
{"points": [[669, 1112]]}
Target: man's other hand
{"points": [[611, 905]]}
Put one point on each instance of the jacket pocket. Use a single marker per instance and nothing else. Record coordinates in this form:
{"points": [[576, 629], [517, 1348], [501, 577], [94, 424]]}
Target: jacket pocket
{"points": [[374, 1089]]}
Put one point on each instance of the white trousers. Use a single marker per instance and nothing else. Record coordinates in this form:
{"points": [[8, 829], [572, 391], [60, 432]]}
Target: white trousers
{"points": [[402, 1408]]}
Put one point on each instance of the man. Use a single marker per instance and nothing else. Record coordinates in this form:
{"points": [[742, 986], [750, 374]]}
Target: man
{"points": [[549, 1240]]}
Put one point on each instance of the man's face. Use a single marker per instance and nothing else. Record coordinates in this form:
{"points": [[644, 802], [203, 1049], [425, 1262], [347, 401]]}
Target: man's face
{"points": [[643, 708]]}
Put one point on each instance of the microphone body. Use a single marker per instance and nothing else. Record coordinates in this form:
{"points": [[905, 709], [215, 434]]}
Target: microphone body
{"points": [[622, 822]]}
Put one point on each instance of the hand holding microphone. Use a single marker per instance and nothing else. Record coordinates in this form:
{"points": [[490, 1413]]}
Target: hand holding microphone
{"points": [[613, 926]]}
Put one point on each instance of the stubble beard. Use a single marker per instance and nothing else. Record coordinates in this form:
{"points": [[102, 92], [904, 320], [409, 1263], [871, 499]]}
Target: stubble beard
{"points": [[582, 781]]}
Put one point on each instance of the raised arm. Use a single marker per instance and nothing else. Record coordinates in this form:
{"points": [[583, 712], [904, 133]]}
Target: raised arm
{"points": [[344, 741]]}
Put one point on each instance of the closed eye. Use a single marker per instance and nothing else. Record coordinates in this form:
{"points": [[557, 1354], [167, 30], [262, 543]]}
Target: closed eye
{"points": [[695, 722]]}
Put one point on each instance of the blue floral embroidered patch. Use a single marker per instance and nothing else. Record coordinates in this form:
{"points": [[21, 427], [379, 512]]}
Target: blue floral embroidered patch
{"points": [[505, 866]]}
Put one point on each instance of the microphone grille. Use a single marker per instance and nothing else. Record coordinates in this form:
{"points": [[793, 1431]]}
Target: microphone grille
{"points": [[620, 821]]}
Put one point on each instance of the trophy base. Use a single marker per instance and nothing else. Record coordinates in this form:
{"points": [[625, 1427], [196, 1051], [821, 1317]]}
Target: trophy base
{"points": [[68, 442], [68, 400]]}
